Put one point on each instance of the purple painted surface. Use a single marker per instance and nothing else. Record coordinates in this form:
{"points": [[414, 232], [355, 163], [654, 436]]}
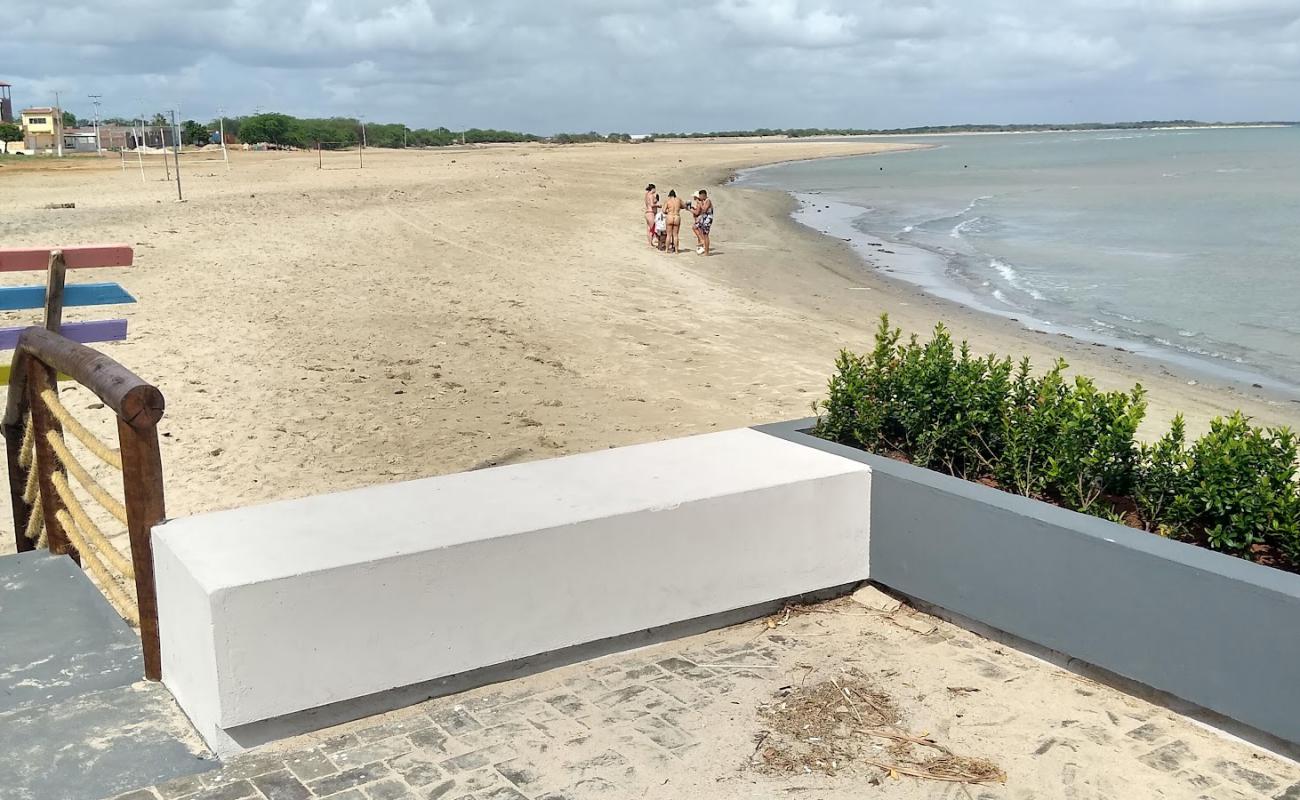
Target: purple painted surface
{"points": [[105, 330]]}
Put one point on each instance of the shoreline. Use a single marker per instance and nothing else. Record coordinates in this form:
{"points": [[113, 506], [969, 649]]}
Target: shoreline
{"points": [[1188, 386], [920, 266]]}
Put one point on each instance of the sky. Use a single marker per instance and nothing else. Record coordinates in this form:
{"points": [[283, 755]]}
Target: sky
{"points": [[546, 66]]}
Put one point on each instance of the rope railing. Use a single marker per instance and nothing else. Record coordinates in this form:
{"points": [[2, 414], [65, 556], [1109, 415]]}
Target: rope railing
{"points": [[108, 455], [62, 501]]}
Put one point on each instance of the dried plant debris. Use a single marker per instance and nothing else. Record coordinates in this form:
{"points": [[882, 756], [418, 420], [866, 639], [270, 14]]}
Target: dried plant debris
{"points": [[842, 723]]}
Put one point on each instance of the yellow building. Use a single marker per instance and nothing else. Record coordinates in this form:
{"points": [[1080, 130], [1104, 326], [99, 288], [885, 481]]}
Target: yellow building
{"points": [[41, 128]]}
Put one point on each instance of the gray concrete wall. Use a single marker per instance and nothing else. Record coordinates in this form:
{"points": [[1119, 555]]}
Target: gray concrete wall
{"points": [[1215, 630]]}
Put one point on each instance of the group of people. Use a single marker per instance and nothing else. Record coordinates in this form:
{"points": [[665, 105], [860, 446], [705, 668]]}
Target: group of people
{"points": [[664, 220]]}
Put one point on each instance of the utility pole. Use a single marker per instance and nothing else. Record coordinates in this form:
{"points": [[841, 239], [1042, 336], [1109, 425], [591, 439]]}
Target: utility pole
{"points": [[221, 125], [362, 151], [139, 149], [94, 101], [177, 153], [58, 124]]}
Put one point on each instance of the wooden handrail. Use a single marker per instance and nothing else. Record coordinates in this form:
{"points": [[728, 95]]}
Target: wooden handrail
{"points": [[135, 402], [39, 356]]}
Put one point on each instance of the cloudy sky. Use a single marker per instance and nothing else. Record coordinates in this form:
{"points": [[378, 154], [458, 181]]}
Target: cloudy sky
{"points": [[637, 66]]}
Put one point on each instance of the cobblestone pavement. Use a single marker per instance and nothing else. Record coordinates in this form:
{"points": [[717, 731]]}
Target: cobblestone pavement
{"points": [[680, 720]]}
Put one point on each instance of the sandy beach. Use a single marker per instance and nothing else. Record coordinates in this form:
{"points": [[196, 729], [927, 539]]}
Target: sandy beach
{"points": [[317, 330]]}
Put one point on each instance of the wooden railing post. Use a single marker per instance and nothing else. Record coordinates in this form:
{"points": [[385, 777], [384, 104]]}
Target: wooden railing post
{"points": [[142, 487], [18, 475], [39, 378]]}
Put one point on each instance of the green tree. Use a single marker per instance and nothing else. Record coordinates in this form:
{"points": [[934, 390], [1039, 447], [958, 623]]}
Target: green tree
{"points": [[69, 119], [10, 132], [273, 128], [194, 133]]}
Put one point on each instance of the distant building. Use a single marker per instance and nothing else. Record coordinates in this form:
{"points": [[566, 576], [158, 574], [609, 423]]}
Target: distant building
{"points": [[79, 140], [111, 137], [41, 128]]}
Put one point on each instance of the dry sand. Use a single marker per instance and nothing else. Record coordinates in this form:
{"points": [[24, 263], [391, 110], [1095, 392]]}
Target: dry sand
{"points": [[443, 310]]}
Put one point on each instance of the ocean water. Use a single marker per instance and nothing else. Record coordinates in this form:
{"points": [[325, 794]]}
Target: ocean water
{"points": [[1180, 244]]}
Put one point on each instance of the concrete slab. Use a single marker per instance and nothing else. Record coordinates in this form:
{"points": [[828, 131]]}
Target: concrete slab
{"points": [[60, 638], [271, 610], [76, 720], [98, 744]]}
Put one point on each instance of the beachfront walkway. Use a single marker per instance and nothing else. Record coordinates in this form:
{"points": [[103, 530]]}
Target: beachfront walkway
{"points": [[718, 715]]}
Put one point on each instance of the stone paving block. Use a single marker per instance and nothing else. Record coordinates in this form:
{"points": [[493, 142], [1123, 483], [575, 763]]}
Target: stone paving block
{"points": [[1243, 777], [281, 785], [358, 776], [308, 765], [239, 790], [609, 763], [519, 730], [584, 686], [440, 790], [180, 787], [598, 788], [381, 750], [335, 744], [405, 725], [627, 674], [476, 759], [455, 720], [532, 708], [686, 669], [1169, 758], [417, 769], [568, 704], [139, 794], [663, 733], [389, 789], [1149, 732], [430, 740], [683, 691], [523, 773], [248, 765], [499, 793], [562, 728], [496, 696], [633, 696]]}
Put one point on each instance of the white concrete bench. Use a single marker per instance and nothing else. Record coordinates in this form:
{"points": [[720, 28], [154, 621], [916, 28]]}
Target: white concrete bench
{"points": [[273, 609]]}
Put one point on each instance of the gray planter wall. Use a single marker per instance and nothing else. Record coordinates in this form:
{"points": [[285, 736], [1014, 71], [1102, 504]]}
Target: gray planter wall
{"points": [[1219, 631]]}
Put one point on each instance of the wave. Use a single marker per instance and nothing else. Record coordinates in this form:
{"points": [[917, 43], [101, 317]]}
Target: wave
{"points": [[1014, 279], [960, 227]]}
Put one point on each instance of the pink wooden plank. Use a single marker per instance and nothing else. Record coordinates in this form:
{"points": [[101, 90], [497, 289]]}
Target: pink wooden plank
{"points": [[21, 259]]}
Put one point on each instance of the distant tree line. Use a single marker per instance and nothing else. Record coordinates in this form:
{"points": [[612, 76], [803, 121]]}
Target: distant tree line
{"points": [[345, 132], [798, 133]]}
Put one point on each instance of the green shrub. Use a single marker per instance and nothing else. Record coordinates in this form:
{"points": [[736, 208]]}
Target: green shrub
{"points": [[1064, 440], [1094, 451], [1239, 488], [1161, 479]]}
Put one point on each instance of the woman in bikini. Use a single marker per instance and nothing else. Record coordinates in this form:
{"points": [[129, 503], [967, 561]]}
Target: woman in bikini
{"points": [[673, 210], [651, 207]]}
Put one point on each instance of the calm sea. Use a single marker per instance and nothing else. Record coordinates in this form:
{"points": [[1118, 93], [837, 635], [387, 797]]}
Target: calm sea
{"points": [[1182, 244]]}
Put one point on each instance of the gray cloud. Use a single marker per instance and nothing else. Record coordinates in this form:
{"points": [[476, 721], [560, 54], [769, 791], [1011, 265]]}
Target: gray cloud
{"points": [[637, 66]]}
